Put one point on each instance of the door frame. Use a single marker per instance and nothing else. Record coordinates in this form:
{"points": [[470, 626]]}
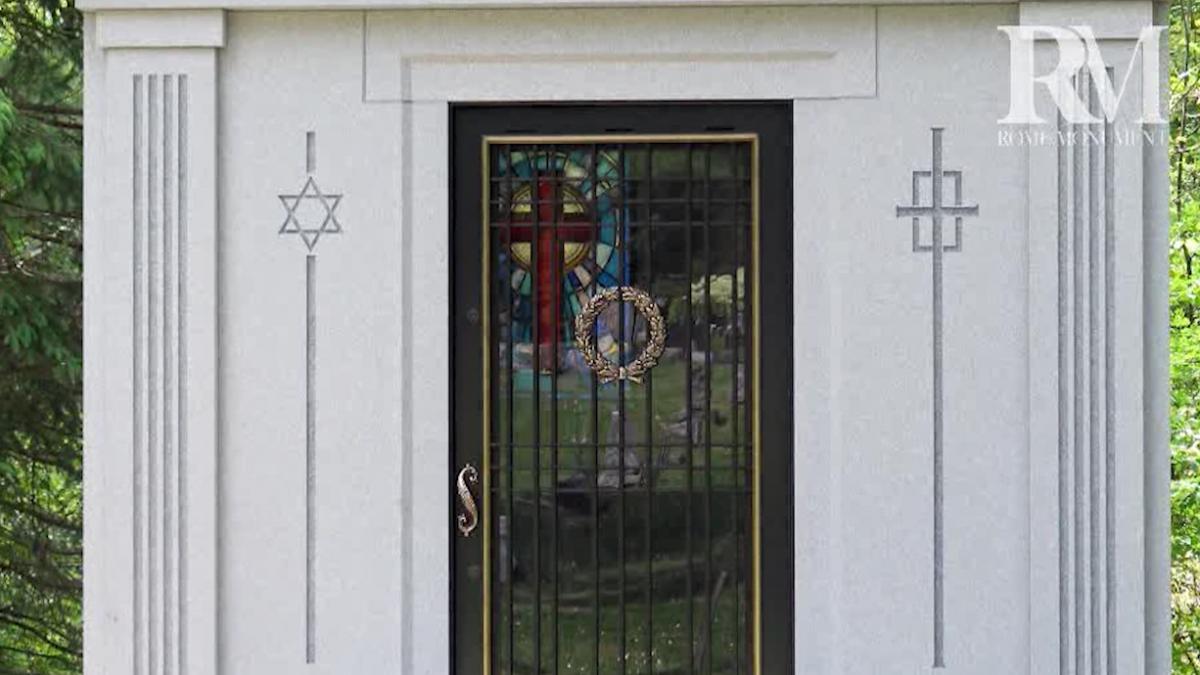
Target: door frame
{"points": [[768, 124]]}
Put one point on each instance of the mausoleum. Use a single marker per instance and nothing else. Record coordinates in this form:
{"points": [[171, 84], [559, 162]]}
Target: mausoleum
{"points": [[609, 336]]}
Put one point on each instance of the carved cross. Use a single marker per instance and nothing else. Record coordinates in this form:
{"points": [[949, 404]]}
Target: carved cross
{"points": [[937, 211]]}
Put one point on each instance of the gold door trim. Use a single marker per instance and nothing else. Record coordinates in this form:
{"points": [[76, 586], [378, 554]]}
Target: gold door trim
{"points": [[755, 361]]}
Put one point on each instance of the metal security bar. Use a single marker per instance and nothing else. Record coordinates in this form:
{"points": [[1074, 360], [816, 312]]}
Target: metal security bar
{"points": [[620, 514]]}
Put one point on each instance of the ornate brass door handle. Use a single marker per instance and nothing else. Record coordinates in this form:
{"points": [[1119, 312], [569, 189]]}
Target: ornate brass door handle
{"points": [[468, 518]]}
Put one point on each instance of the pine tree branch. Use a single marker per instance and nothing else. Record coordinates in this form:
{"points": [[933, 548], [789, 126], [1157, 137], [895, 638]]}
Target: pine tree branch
{"points": [[25, 623], [60, 585], [65, 215], [29, 653], [65, 462], [42, 546], [7, 671], [60, 124], [28, 107], [22, 268], [44, 517]]}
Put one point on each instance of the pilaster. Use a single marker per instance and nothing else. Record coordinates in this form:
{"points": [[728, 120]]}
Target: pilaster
{"points": [[1094, 459], [151, 342]]}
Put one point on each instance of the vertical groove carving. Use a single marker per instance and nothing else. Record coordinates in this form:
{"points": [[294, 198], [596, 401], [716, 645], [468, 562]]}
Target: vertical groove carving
{"points": [[1064, 436], [181, 157], [1080, 402], [154, 482], [170, 408], [159, 372], [1086, 459], [1095, 438], [1110, 411], [139, 446], [310, 459]]}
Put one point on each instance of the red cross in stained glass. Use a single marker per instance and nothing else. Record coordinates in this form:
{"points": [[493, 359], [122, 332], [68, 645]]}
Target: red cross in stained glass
{"points": [[561, 220]]}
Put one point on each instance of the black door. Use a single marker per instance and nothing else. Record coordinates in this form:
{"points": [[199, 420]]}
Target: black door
{"points": [[622, 395]]}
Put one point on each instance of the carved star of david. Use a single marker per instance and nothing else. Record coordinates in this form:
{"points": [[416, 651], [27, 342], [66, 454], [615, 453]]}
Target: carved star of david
{"points": [[311, 232]]}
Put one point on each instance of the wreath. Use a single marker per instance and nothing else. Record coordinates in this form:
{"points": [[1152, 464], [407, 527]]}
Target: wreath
{"points": [[585, 322]]}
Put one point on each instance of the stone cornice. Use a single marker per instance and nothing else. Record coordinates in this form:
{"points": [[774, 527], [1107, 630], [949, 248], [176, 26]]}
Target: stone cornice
{"points": [[99, 5], [158, 28]]}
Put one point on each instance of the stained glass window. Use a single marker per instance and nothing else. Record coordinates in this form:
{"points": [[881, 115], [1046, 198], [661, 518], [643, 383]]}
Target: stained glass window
{"points": [[579, 228]]}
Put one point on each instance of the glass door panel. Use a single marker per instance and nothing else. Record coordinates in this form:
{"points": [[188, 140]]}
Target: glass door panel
{"points": [[620, 513]]}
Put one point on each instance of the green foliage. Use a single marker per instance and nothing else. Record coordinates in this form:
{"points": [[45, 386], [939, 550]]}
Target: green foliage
{"points": [[40, 338], [1185, 335], [721, 303]]}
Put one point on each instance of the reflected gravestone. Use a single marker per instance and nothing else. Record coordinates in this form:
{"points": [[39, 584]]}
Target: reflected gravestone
{"points": [[610, 473]]}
